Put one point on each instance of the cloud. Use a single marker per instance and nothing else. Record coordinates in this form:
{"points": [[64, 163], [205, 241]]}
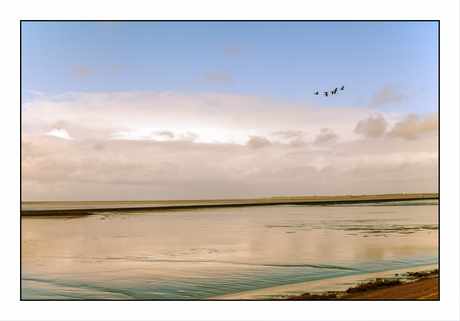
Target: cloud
{"points": [[159, 135], [289, 134], [212, 78], [136, 115], [61, 133], [386, 95], [164, 134], [294, 138], [81, 70], [111, 67], [189, 136], [234, 51], [184, 169], [84, 70], [170, 145], [211, 104], [410, 127], [374, 126], [327, 135], [257, 142]]}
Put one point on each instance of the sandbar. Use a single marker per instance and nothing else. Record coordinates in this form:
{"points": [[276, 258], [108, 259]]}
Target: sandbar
{"points": [[142, 206]]}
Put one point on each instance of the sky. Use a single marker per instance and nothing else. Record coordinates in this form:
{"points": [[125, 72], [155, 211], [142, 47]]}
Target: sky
{"points": [[212, 110]]}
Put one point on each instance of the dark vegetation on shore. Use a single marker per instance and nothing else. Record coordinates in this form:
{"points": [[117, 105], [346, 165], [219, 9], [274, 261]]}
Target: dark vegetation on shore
{"points": [[307, 296], [423, 274], [371, 285], [363, 287]]}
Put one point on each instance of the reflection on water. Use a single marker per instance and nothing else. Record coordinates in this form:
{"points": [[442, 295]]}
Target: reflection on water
{"points": [[202, 254]]}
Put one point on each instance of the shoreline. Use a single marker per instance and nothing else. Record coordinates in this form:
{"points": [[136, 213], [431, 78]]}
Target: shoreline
{"points": [[425, 288], [422, 289], [422, 285], [203, 204], [339, 285]]}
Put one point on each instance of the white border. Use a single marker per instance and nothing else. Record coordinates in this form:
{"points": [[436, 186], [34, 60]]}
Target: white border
{"points": [[446, 11]]}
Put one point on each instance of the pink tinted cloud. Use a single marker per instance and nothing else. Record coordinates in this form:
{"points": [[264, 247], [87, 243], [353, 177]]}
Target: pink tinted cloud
{"points": [[373, 126], [411, 126], [387, 94]]}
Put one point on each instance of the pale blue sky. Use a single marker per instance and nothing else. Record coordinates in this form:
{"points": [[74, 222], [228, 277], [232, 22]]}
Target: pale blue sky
{"points": [[290, 60]]}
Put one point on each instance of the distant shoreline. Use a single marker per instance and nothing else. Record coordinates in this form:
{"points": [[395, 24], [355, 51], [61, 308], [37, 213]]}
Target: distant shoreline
{"points": [[202, 204]]}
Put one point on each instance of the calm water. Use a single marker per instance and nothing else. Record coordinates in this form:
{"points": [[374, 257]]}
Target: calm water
{"points": [[202, 254]]}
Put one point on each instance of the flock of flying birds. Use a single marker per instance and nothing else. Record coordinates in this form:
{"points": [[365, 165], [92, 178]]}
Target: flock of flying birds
{"points": [[332, 92]]}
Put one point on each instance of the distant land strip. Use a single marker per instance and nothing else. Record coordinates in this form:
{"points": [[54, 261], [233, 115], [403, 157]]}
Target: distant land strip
{"points": [[315, 200]]}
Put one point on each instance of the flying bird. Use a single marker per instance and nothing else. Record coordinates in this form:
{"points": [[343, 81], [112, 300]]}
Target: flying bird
{"points": [[333, 92]]}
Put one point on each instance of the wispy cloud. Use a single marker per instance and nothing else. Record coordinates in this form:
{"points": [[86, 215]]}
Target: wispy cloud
{"points": [[85, 70], [235, 51], [293, 138], [112, 67], [387, 94], [81, 70], [210, 78]]}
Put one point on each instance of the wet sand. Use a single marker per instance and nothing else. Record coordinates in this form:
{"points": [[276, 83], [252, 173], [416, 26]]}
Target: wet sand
{"points": [[140, 206]]}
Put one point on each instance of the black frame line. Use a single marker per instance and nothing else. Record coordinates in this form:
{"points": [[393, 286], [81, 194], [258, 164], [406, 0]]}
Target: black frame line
{"points": [[254, 21]]}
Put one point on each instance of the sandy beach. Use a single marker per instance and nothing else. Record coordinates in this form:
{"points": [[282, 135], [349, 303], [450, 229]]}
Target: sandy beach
{"points": [[425, 286], [423, 289], [419, 286]]}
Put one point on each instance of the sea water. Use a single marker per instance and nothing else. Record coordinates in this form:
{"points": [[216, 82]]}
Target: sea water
{"points": [[210, 253]]}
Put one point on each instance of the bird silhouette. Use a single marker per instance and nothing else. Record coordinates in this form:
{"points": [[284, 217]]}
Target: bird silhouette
{"points": [[333, 92]]}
